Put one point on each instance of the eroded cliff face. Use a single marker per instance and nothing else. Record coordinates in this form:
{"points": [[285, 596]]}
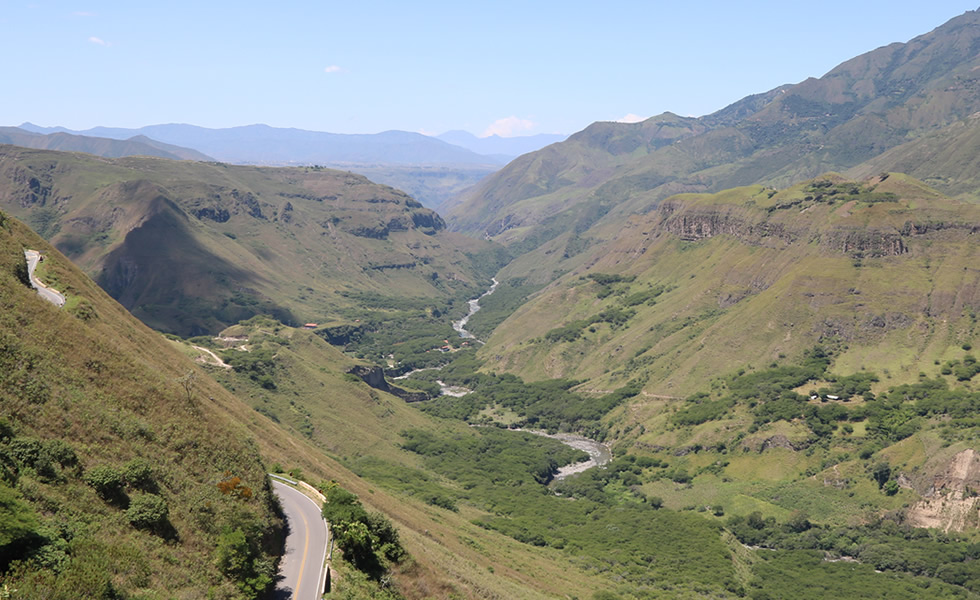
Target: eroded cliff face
{"points": [[693, 222], [951, 503]]}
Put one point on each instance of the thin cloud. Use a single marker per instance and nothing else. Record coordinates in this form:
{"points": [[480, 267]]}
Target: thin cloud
{"points": [[82, 13], [508, 127], [631, 118], [333, 69], [98, 41]]}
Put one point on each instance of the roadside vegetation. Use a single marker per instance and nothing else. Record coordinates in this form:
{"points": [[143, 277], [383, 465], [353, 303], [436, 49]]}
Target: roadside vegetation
{"points": [[112, 474]]}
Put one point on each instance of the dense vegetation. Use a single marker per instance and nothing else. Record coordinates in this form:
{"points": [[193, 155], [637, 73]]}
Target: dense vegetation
{"points": [[369, 540], [503, 473], [546, 404], [883, 544]]}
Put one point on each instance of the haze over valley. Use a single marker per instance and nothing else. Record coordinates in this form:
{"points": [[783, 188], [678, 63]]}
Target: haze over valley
{"points": [[722, 356]]}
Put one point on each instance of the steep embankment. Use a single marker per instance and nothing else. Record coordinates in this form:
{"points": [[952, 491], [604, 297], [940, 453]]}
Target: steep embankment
{"points": [[111, 446], [194, 247], [885, 270]]}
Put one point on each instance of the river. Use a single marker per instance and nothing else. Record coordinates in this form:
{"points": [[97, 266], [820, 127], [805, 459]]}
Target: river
{"points": [[460, 325], [599, 453]]}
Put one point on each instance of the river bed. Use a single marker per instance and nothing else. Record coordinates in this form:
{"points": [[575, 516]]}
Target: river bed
{"points": [[599, 454]]}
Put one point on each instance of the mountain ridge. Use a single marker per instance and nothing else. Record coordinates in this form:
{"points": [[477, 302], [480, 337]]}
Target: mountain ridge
{"points": [[241, 236], [855, 112], [110, 148]]}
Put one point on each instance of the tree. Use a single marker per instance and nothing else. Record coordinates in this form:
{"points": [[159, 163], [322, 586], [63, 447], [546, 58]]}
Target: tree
{"points": [[187, 382], [881, 473]]}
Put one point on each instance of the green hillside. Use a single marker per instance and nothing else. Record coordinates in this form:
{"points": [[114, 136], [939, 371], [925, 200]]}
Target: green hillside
{"points": [[109, 463], [853, 114], [946, 159], [882, 270], [194, 247]]}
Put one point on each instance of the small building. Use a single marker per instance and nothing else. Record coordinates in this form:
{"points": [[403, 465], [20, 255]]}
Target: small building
{"points": [[310, 326]]}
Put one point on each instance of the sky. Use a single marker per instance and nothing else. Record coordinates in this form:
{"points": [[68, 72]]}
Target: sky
{"points": [[502, 67]]}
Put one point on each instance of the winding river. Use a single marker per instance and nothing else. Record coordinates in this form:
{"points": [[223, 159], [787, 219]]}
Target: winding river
{"points": [[599, 453], [460, 325]]}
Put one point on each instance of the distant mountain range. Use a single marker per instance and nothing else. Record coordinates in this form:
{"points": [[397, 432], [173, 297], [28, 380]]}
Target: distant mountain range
{"points": [[431, 169], [137, 145], [262, 144]]}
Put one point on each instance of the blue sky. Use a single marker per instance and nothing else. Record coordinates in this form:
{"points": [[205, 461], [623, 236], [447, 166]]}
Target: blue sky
{"points": [[513, 68]]}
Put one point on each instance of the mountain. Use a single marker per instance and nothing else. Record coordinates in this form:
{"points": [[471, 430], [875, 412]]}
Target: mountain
{"points": [[264, 145], [854, 113], [111, 148], [194, 247], [431, 170], [708, 282], [946, 159], [494, 145]]}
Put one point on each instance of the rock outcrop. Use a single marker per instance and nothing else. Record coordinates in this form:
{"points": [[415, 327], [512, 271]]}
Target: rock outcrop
{"points": [[375, 377], [952, 502]]}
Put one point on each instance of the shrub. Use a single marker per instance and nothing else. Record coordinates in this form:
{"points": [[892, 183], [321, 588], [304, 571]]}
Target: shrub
{"points": [[138, 473], [147, 511], [369, 541], [17, 523], [106, 480], [241, 561]]}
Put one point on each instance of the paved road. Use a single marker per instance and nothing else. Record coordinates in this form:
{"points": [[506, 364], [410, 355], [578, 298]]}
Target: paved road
{"points": [[53, 296], [301, 568]]}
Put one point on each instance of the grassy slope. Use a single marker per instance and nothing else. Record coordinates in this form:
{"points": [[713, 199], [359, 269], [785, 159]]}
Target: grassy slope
{"points": [[732, 297], [108, 388], [286, 241], [760, 286], [946, 160]]}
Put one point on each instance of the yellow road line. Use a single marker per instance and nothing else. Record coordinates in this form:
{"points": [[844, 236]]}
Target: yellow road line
{"points": [[306, 548]]}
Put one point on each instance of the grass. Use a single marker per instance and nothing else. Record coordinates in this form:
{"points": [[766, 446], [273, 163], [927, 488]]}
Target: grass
{"points": [[732, 297]]}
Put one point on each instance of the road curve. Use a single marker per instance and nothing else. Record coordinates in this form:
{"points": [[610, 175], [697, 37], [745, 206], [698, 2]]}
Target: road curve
{"points": [[53, 296], [302, 566]]}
